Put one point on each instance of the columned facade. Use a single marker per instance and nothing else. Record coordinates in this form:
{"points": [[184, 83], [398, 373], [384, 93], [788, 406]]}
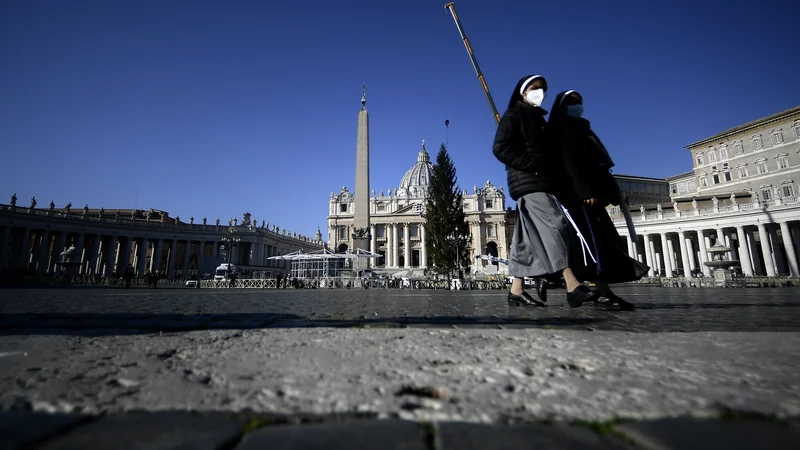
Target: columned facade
{"points": [[97, 243], [762, 238]]}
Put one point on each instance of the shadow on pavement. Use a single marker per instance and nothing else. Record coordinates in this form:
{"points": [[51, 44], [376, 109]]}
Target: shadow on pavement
{"points": [[87, 324]]}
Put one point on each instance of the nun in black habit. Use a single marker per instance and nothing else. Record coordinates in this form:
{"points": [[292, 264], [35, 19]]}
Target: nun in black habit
{"points": [[594, 187], [543, 238]]}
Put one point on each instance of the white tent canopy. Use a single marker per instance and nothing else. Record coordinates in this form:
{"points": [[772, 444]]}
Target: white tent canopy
{"points": [[325, 263]]}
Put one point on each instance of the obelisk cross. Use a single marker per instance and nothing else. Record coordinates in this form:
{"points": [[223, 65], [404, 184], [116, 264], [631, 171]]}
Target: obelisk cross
{"points": [[363, 96]]}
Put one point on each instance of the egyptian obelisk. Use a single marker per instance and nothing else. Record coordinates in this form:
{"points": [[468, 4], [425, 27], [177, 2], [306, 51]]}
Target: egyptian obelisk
{"points": [[361, 237]]}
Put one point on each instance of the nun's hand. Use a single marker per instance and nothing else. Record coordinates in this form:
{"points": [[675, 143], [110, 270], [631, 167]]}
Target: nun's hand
{"points": [[590, 201]]}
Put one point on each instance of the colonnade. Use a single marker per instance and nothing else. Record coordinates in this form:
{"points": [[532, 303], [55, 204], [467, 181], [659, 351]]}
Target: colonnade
{"points": [[766, 249]]}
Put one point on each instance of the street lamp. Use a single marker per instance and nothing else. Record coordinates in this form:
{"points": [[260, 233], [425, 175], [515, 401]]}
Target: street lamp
{"points": [[229, 242], [457, 240]]}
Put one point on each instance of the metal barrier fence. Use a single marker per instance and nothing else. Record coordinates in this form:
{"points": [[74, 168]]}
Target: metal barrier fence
{"points": [[353, 283]]}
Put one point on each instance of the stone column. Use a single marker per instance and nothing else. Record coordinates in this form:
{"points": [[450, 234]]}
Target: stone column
{"points": [[187, 255], [201, 257], [41, 252], [406, 247], [791, 256], [671, 252], [690, 253], [80, 239], [94, 254], [125, 253], [155, 259], [373, 240], [387, 230], [24, 255], [395, 245], [55, 255], [631, 247], [423, 253], [110, 255], [703, 252], [141, 259], [667, 255], [753, 250], [4, 238], [687, 271], [720, 236], [744, 253], [501, 233], [765, 249], [648, 255], [777, 256], [173, 258]]}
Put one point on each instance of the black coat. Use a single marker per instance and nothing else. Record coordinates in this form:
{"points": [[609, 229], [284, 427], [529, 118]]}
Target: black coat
{"points": [[523, 145], [586, 161]]}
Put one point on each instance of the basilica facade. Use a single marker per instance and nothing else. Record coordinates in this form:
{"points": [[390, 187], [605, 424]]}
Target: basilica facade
{"points": [[397, 225]]}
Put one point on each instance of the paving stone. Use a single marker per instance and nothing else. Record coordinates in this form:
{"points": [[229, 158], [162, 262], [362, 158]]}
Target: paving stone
{"points": [[464, 436], [21, 428], [689, 434], [660, 309], [146, 431], [361, 434]]}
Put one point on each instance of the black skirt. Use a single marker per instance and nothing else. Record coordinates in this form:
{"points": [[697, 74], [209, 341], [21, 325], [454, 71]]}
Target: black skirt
{"points": [[611, 262]]}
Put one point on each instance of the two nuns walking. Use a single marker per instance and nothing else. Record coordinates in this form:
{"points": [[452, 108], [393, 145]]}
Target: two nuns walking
{"points": [[559, 175]]}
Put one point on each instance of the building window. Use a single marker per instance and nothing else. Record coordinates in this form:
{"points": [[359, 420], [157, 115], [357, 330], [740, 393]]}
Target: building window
{"points": [[727, 176], [742, 171], [783, 161], [381, 207], [381, 231], [788, 190], [723, 151], [703, 181], [766, 193], [777, 137], [615, 210], [413, 230], [712, 156], [756, 142], [673, 188], [342, 207], [737, 148], [761, 166], [342, 232], [699, 158], [490, 231], [796, 129], [488, 203], [715, 178], [466, 206]]}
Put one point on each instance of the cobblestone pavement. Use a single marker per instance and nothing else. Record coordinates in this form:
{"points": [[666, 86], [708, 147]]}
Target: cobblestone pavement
{"points": [[660, 309], [80, 362], [153, 431]]}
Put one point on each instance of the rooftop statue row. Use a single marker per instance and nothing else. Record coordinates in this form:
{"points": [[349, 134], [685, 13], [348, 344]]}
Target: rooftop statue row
{"points": [[419, 191], [150, 216]]}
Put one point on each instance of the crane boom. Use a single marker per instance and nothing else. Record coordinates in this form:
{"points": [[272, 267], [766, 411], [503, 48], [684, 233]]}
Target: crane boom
{"points": [[451, 6]]}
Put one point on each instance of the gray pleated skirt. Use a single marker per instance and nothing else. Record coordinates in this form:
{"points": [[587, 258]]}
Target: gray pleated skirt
{"points": [[543, 238]]}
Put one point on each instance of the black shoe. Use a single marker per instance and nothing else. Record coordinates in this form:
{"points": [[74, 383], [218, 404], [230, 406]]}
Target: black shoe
{"points": [[613, 299], [523, 299], [580, 295], [541, 289]]}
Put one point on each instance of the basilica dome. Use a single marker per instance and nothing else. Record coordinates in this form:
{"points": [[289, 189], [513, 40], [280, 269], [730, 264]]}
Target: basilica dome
{"points": [[416, 181]]}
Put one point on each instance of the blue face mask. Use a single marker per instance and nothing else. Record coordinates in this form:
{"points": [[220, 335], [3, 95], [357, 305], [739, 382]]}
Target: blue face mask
{"points": [[575, 110]]}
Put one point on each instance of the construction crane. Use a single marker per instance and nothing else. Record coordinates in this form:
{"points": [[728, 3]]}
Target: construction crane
{"points": [[451, 6]]}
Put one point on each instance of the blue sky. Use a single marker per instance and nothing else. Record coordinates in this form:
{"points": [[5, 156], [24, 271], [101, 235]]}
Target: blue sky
{"points": [[211, 108]]}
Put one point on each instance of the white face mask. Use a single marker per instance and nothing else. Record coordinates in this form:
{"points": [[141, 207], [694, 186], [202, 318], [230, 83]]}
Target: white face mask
{"points": [[535, 97], [575, 110]]}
